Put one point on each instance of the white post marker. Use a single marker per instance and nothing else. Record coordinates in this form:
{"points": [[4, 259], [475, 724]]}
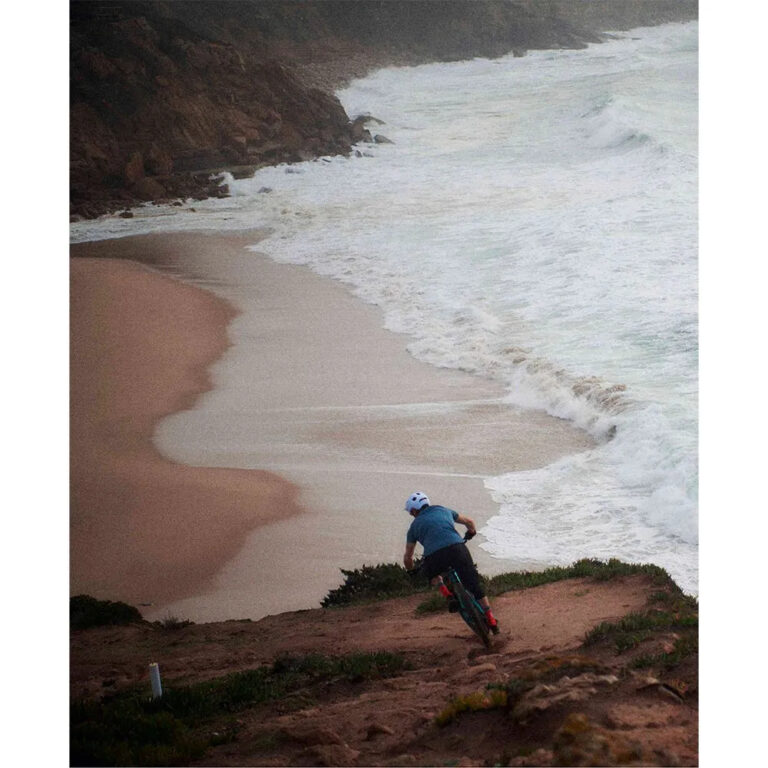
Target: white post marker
{"points": [[154, 676]]}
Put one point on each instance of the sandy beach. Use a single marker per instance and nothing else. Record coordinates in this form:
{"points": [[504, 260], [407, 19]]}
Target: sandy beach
{"points": [[314, 426], [142, 525]]}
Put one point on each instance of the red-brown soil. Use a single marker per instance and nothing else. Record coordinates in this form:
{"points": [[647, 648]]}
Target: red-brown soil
{"points": [[597, 712]]}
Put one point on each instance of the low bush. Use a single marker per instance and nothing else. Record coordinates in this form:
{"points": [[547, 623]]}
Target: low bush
{"points": [[86, 611], [387, 580], [173, 623], [374, 582]]}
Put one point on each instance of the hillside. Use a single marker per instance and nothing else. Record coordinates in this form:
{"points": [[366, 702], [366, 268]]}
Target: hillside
{"points": [[587, 670], [165, 93]]}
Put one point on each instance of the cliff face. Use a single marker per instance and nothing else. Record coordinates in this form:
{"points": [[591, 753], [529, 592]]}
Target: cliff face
{"points": [[152, 99], [162, 93]]}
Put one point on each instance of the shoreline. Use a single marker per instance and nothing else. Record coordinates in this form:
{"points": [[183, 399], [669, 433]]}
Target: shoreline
{"points": [[350, 440], [141, 528]]}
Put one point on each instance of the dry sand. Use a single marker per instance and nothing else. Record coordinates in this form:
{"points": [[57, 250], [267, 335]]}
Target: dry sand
{"points": [[140, 524], [313, 388]]}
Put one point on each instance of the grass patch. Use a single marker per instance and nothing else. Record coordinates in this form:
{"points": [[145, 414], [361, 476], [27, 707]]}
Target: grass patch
{"points": [[171, 622], [131, 729], [595, 569], [635, 628], [491, 698], [435, 603], [86, 612], [684, 647]]}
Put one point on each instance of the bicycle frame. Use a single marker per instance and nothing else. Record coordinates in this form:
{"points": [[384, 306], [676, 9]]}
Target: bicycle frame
{"points": [[469, 607]]}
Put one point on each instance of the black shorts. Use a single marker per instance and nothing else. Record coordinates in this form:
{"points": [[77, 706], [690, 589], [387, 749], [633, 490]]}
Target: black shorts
{"points": [[456, 556]]}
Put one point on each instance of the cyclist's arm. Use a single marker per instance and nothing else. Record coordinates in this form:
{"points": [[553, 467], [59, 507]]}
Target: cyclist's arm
{"points": [[408, 557], [469, 522]]}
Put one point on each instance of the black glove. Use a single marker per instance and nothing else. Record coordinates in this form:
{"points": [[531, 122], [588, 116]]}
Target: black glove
{"points": [[469, 535]]}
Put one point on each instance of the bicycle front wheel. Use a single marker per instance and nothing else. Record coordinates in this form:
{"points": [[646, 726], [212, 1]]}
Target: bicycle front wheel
{"points": [[472, 613]]}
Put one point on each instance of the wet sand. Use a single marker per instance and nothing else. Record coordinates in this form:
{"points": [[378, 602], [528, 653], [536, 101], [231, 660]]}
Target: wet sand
{"points": [[313, 389]]}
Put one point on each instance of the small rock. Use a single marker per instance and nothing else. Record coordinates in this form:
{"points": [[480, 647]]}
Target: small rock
{"points": [[479, 668], [334, 754], [379, 139], [376, 729], [312, 736], [126, 215], [265, 190], [405, 759]]}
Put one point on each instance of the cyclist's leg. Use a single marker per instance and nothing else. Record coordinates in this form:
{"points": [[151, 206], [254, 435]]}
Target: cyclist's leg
{"points": [[434, 565], [465, 567]]}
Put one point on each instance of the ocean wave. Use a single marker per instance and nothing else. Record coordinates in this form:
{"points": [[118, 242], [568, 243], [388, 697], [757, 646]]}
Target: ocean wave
{"points": [[611, 123]]}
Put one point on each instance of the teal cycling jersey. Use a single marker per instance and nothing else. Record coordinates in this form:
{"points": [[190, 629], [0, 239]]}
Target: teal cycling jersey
{"points": [[433, 529]]}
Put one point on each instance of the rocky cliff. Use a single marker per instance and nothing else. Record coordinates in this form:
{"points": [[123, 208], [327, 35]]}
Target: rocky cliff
{"points": [[164, 93]]}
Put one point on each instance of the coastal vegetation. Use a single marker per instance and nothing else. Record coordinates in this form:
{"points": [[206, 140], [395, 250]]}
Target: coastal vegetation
{"points": [[387, 580], [86, 611], [132, 729]]}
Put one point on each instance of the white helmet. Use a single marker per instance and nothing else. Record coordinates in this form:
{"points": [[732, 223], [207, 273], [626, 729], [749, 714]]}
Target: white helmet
{"points": [[416, 501]]}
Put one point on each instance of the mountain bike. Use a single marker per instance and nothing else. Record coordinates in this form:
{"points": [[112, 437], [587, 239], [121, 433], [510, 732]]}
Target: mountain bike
{"points": [[468, 607]]}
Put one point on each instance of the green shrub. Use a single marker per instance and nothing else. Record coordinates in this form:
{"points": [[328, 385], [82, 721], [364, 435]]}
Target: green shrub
{"points": [[374, 582], [86, 611], [378, 582]]}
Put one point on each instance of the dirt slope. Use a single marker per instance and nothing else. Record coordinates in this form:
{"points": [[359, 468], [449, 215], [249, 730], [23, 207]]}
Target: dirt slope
{"points": [[584, 706]]}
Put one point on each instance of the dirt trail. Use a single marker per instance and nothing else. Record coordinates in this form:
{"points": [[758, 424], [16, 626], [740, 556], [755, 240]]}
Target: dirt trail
{"points": [[392, 721]]}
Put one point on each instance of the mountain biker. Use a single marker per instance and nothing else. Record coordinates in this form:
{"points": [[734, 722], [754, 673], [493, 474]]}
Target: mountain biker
{"points": [[444, 548]]}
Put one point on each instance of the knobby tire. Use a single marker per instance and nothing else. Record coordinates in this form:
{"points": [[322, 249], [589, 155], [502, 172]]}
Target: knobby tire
{"points": [[477, 618]]}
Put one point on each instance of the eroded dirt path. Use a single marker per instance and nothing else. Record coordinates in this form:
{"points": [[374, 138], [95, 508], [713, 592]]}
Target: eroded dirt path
{"points": [[392, 721]]}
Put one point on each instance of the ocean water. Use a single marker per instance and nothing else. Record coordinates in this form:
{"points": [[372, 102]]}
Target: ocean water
{"points": [[535, 220]]}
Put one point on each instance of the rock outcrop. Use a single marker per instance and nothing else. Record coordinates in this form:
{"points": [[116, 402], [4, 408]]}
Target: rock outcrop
{"points": [[165, 93]]}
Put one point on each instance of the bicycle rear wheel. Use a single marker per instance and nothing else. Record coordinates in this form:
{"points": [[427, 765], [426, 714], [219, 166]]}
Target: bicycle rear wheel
{"points": [[472, 613]]}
